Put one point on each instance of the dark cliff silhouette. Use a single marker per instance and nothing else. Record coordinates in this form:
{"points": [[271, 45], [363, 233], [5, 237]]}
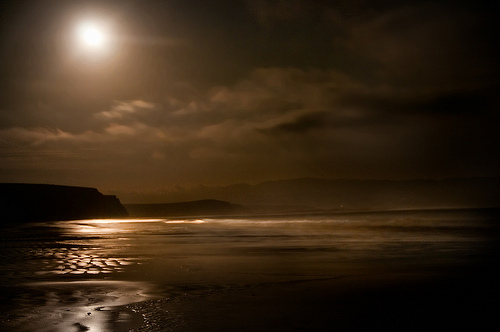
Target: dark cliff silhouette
{"points": [[207, 207], [21, 202]]}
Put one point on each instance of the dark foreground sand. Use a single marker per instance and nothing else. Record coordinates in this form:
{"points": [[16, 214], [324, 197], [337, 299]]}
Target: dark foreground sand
{"points": [[384, 302], [389, 302], [397, 301]]}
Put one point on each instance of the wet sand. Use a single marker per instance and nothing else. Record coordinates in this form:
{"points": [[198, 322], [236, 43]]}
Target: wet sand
{"points": [[87, 305], [388, 302]]}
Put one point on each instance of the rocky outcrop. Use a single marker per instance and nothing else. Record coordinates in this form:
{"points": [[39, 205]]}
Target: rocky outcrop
{"points": [[21, 202]]}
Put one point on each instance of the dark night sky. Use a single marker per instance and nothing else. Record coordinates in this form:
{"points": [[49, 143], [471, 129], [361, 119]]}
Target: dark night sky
{"points": [[219, 92]]}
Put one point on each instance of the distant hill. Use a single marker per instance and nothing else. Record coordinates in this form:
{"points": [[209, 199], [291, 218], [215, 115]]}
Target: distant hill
{"points": [[207, 207], [316, 193], [20, 202], [306, 194]]}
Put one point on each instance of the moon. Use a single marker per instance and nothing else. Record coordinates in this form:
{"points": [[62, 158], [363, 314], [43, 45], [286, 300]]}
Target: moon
{"points": [[92, 35]]}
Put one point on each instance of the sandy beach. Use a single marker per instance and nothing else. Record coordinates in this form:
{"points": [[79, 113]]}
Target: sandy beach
{"points": [[354, 272]]}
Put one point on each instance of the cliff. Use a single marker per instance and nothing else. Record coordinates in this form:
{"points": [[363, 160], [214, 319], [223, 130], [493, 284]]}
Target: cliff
{"points": [[21, 202]]}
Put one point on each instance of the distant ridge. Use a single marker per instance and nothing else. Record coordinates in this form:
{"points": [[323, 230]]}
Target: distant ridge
{"points": [[382, 194], [308, 194], [206, 207], [22, 202]]}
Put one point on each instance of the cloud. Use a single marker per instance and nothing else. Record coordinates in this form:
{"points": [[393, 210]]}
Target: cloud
{"points": [[269, 105], [275, 122], [224, 118], [121, 109], [412, 43], [14, 137], [423, 44], [304, 123], [269, 11], [116, 129], [142, 104]]}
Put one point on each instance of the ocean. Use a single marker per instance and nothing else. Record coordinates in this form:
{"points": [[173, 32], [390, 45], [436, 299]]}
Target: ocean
{"points": [[69, 275]]}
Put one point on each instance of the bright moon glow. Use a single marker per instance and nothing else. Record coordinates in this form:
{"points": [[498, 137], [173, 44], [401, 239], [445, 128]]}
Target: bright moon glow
{"points": [[92, 35]]}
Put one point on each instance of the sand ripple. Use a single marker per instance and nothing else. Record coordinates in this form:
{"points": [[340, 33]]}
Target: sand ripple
{"points": [[78, 261]]}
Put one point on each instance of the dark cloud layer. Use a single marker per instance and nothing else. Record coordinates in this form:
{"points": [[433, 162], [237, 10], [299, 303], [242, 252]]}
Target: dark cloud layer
{"points": [[224, 92]]}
